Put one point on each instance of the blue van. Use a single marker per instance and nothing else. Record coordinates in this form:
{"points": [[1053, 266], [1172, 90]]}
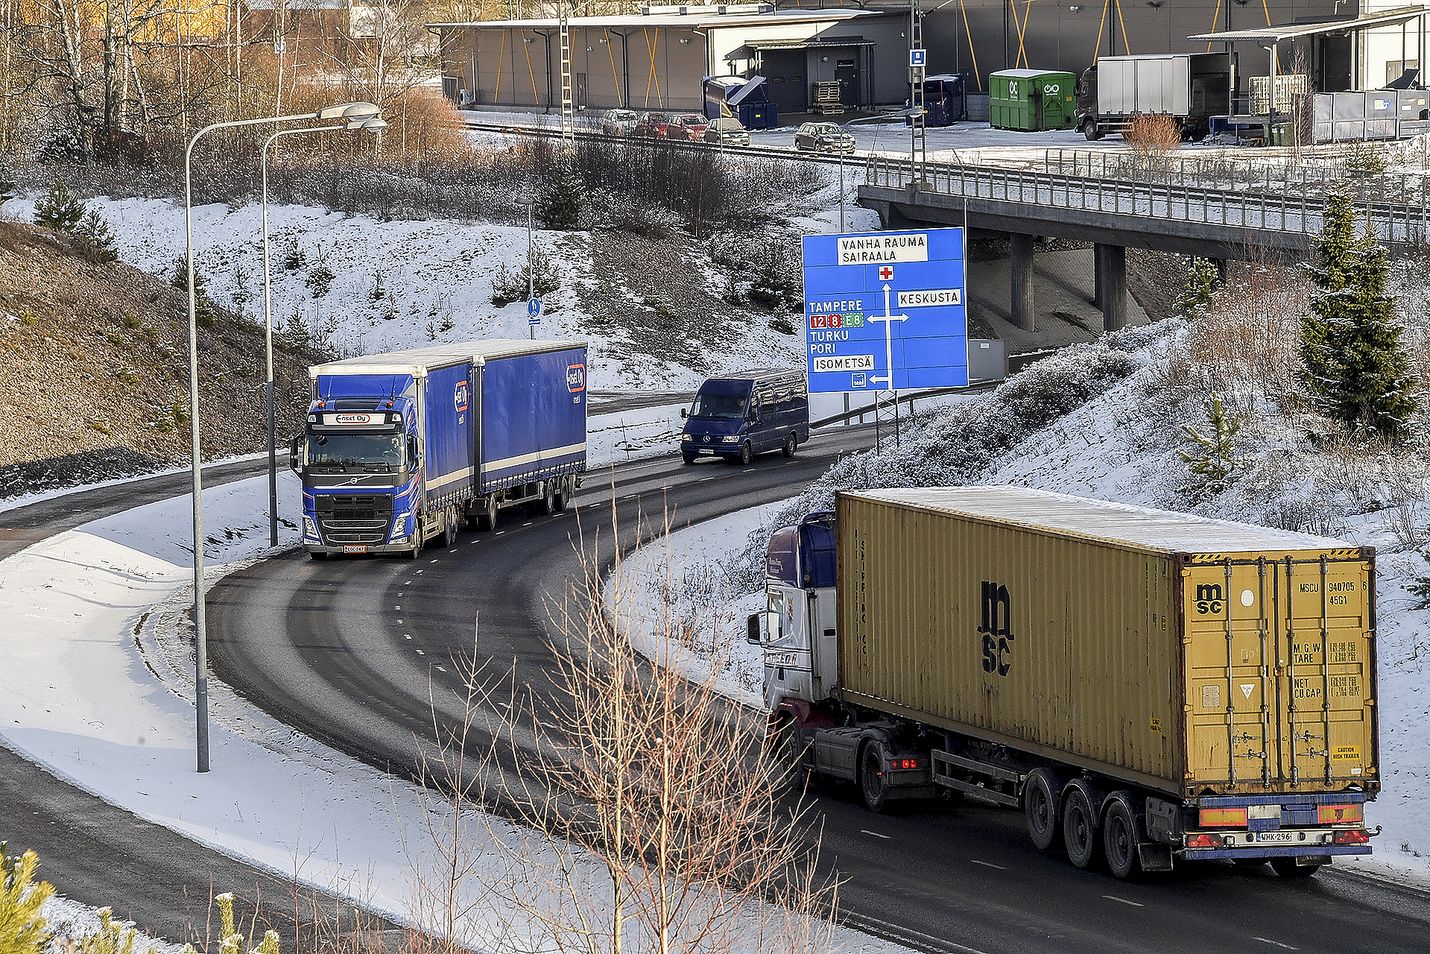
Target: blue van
{"points": [[745, 414]]}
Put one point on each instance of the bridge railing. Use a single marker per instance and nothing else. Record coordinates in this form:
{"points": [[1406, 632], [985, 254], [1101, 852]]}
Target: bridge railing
{"points": [[1280, 211]]}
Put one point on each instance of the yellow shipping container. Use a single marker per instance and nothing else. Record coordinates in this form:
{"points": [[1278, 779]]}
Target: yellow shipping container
{"points": [[1187, 655]]}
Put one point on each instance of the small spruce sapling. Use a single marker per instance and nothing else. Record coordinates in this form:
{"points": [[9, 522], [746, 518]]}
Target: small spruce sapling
{"points": [[22, 926], [1211, 456], [1203, 279], [59, 209], [559, 205], [204, 312], [94, 240]]}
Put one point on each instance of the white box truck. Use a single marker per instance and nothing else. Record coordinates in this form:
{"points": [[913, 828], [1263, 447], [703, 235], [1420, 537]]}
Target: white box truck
{"points": [[1190, 87]]}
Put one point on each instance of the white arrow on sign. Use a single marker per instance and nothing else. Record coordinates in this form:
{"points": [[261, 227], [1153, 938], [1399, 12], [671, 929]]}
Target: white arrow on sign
{"points": [[888, 318]]}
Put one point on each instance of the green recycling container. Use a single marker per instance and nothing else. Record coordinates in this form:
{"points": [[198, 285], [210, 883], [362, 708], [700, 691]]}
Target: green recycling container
{"points": [[1032, 100]]}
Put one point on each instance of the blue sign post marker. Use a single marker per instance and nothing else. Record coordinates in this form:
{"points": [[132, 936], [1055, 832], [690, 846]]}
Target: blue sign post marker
{"points": [[917, 57], [884, 311], [533, 311]]}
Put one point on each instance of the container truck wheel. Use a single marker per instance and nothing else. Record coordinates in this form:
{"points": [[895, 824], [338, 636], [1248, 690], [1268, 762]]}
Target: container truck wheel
{"points": [[563, 494], [1040, 807], [871, 779], [548, 499], [449, 530], [487, 519], [791, 444], [1079, 826], [1090, 130], [1287, 868], [1120, 837]]}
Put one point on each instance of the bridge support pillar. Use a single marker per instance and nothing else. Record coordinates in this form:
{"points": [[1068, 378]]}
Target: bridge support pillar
{"points": [[1022, 281], [1112, 285]]}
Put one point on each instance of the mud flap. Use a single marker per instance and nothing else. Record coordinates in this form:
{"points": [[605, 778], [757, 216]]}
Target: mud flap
{"points": [[1154, 856]]}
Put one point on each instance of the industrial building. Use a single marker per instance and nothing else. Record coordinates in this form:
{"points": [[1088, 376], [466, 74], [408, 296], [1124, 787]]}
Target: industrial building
{"points": [[657, 58]]}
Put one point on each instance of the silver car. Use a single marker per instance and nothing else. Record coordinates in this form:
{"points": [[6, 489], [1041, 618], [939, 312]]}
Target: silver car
{"points": [[823, 137], [727, 131], [619, 122]]}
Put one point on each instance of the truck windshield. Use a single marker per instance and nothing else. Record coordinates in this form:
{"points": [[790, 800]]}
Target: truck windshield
{"points": [[725, 403], [355, 453]]}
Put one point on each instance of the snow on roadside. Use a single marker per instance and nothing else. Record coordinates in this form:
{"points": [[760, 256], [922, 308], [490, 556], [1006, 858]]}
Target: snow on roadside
{"points": [[69, 920]]}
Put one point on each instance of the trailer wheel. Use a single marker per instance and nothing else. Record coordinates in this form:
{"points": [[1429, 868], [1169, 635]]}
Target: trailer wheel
{"points": [[791, 445], [1079, 826], [1120, 837], [871, 780], [563, 496], [1287, 868], [1040, 807], [449, 532], [487, 520], [548, 499]]}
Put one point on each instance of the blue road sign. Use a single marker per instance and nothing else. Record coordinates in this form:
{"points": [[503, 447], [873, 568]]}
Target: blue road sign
{"points": [[882, 302], [533, 310], [918, 57]]}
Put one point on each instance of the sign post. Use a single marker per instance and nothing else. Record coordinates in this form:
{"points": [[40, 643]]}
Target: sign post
{"points": [[885, 312]]}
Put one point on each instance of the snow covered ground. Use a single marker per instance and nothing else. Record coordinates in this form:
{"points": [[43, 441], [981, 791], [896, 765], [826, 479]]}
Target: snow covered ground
{"points": [[1097, 421]]}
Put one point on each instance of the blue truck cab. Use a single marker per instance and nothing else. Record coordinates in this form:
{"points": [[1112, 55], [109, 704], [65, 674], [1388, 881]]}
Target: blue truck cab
{"points": [[747, 413], [405, 447]]}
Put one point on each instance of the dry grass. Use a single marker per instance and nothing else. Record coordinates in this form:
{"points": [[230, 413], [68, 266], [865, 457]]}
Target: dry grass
{"points": [[1152, 134]]}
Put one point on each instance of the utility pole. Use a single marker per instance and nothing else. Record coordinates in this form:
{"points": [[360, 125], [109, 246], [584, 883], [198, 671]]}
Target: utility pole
{"points": [[530, 268]]}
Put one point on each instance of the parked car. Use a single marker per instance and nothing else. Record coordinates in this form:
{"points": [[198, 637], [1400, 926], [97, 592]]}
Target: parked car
{"points": [[687, 126], [620, 122], [746, 413], [823, 137], [653, 125], [727, 131]]}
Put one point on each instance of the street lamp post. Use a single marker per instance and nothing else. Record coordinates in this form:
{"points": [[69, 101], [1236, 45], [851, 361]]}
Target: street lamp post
{"points": [[530, 268], [376, 124], [901, 114], [201, 683]]}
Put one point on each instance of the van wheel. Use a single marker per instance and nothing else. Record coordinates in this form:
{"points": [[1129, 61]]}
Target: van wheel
{"points": [[1119, 837], [791, 444], [1287, 868], [488, 518], [746, 454], [688, 459], [871, 780], [1040, 808], [548, 500], [1079, 826]]}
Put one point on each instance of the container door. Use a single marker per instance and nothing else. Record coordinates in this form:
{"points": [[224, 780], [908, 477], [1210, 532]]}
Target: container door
{"points": [[1325, 680]]}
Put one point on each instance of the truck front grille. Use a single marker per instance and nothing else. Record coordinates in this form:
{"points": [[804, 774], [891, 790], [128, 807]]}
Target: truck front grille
{"points": [[353, 518]]}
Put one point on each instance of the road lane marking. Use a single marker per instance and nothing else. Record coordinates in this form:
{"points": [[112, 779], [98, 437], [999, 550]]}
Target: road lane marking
{"points": [[1267, 940], [527, 524], [866, 831], [703, 479], [986, 864], [440, 669], [474, 542], [397, 606], [1135, 904], [499, 533], [406, 635], [429, 561], [453, 550], [421, 653], [898, 932]]}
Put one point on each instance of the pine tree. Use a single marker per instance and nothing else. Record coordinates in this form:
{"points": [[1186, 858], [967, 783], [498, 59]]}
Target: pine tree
{"points": [[1211, 457], [22, 927], [1203, 279], [59, 209], [559, 206], [7, 188], [94, 240], [204, 312], [1354, 359]]}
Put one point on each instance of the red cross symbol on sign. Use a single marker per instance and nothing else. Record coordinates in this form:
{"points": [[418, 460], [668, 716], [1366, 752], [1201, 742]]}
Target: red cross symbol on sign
{"points": [[886, 273]]}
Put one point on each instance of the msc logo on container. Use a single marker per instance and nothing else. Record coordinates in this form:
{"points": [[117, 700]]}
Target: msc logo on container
{"points": [[996, 628], [1210, 598], [575, 378], [461, 396]]}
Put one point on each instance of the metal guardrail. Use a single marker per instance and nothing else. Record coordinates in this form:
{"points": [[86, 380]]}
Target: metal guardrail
{"points": [[1299, 214]]}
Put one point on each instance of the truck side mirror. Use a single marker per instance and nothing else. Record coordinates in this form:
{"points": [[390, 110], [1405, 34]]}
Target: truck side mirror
{"points": [[294, 454], [412, 449], [684, 412], [752, 629]]}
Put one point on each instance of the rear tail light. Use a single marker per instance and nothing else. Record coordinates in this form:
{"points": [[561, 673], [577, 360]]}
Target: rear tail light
{"points": [[1340, 814], [1222, 817], [1351, 836], [898, 764], [1205, 840]]}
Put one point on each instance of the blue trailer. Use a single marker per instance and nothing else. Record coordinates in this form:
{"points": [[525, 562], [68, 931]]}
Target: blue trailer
{"points": [[401, 448], [746, 99]]}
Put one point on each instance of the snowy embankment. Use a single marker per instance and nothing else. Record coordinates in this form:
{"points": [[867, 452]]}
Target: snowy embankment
{"points": [[92, 692], [1103, 420]]}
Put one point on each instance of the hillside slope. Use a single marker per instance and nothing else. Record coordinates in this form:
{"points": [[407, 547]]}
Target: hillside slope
{"points": [[95, 370]]}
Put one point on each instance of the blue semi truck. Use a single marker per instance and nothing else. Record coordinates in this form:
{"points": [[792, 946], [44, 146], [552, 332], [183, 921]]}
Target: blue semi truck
{"points": [[400, 449]]}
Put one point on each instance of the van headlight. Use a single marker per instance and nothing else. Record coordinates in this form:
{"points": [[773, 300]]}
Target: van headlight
{"points": [[730, 439], [686, 438]]}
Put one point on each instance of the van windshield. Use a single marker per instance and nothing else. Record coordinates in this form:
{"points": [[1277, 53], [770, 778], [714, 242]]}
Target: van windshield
{"points": [[722, 400]]}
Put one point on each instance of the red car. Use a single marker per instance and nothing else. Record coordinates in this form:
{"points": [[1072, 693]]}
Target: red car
{"points": [[688, 126], [654, 125]]}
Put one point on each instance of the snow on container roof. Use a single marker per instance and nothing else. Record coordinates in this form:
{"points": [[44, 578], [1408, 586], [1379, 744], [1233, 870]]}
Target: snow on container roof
{"points": [[1118, 523], [698, 18], [415, 360], [1026, 74]]}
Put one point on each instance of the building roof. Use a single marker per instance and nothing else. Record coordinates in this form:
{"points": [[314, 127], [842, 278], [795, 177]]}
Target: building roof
{"points": [[809, 43], [696, 19], [1290, 31]]}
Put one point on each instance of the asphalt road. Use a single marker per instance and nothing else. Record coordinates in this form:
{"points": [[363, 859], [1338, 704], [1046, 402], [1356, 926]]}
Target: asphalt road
{"points": [[349, 652]]}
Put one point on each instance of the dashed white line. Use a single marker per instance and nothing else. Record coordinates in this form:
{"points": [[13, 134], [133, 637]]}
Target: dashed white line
{"points": [[1135, 904], [474, 542], [1267, 940], [865, 831], [421, 653], [703, 479], [406, 635], [397, 606], [441, 669], [898, 932], [527, 524], [429, 561], [986, 864], [453, 550], [499, 533]]}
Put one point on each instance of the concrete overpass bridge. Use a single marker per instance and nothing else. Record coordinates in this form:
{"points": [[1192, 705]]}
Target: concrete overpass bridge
{"points": [[1277, 223]]}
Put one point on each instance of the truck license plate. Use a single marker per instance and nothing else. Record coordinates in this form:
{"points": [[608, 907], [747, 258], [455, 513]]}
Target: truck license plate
{"points": [[356, 548], [1275, 837]]}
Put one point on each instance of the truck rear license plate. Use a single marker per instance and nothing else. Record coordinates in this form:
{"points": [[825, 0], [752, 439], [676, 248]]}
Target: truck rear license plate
{"points": [[355, 549], [1275, 837]]}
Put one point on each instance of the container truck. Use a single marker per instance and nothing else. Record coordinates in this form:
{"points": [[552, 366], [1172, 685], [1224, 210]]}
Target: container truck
{"points": [[1189, 87], [1147, 688], [402, 448]]}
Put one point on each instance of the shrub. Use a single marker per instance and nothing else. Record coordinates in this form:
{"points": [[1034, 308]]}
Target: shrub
{"points": [[1203, 280], [1210, 456], [22, 927], [59, 209], [510, 285], [94, 240], [1152, 134], [320, 279], [294, 257], [204, 312], [559, 205]]}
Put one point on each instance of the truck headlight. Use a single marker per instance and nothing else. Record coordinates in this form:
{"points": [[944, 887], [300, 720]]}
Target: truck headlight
{"points": [[399, 528], [310, 529], [730, 439]]}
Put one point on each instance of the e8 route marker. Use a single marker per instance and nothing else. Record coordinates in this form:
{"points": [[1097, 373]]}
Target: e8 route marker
{"points": [[885, 310]]}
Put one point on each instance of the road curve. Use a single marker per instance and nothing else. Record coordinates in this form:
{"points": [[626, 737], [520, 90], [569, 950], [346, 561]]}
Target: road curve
{"points": [[348, 651]]}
